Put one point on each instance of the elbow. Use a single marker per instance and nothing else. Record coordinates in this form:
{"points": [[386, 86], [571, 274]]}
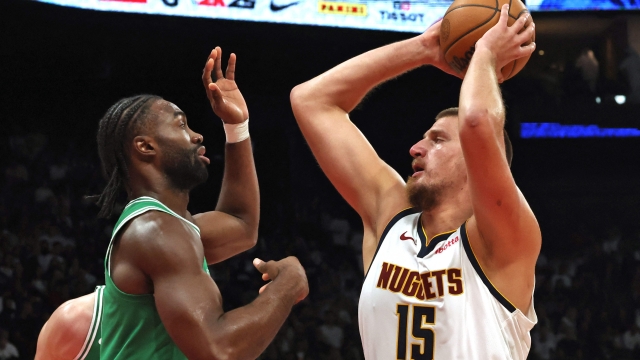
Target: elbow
{"points": [[225, 352], [301, 98], [251, 239], [479, 121], [473, 116], [217, 353], [298, 94]]}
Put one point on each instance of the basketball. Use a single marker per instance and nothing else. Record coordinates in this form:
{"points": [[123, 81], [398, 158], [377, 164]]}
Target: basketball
{"points": [[466, 21]]}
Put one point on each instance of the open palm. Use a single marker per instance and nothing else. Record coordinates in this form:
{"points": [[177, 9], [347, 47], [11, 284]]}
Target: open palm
{"points": [[225, 97]]}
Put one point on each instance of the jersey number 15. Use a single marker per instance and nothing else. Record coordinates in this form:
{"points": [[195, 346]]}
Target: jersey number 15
{"points": [[422, 319]]}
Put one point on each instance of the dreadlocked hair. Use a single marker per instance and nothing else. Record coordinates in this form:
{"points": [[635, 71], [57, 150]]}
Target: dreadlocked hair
{"points": [[117, 127]]}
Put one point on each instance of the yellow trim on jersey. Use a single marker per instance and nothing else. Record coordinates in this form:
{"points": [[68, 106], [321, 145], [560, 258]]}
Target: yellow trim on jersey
{"points": [[427, 237], [480, 265]]}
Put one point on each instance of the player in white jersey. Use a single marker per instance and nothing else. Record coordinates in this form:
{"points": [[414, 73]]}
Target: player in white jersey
{"points": [[451, 277]]}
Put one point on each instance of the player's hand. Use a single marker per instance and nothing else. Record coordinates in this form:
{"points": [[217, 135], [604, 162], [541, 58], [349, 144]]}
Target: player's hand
{"points": [[290, 270], [506, 43], [434, 55], [223, 93]]}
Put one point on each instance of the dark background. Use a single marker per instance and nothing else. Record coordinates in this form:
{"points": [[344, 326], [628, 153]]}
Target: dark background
{"points": [[61, 68]]}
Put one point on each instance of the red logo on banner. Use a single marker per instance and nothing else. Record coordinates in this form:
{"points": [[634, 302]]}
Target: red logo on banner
{"points": [[128, 1], [212, 2]]}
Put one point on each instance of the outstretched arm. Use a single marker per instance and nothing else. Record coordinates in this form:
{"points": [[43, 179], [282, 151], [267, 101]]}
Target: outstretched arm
{"points": [[503, 229], [233, 226], [189, 302], [321, 107]]}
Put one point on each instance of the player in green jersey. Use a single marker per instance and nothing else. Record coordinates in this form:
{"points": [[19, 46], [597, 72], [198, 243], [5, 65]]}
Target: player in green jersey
{"points": [[159, 302]]}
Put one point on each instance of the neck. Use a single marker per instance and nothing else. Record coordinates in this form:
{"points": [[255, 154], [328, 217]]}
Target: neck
{"points": [[161, 190], [446, 216]]}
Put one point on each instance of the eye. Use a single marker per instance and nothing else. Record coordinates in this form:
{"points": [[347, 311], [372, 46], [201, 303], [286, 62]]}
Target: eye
{"points": [[438, 140], [182, 124]]}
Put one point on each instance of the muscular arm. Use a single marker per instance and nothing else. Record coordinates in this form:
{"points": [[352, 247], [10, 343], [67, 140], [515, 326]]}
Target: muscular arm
{"points": [[507, 235], [233, 227], [321, 107], [189, 302]]}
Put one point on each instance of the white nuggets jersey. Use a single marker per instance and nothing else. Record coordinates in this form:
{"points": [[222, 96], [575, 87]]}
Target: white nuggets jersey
{"points": [[433, 301]]}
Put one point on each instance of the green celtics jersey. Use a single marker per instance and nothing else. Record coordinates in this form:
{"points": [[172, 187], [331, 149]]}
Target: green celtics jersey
{"points": [[91, 347], [131, 326]]}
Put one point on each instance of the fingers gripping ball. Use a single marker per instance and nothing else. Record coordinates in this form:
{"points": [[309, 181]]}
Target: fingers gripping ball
{"points": [[466, 21]]}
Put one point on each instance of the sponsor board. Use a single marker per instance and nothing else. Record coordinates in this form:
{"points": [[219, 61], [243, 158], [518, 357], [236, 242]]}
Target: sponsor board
{"points": [[395, 15], [339, 8]]}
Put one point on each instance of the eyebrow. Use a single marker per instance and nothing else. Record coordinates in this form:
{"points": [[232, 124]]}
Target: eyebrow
{"points": [[180, 113], [433, 131]]}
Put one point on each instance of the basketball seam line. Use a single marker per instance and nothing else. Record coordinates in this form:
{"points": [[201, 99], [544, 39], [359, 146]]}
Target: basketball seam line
{"points": [[486, 7], [472, 30]]}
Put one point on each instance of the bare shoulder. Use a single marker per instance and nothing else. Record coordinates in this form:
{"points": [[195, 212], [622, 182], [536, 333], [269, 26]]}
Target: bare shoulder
{"points": [[154, 230], [157, 238], [64, 333]]}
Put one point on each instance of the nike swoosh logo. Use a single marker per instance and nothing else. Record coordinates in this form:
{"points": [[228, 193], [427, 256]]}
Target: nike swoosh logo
{"points": [[404, 237], [275, 7]]}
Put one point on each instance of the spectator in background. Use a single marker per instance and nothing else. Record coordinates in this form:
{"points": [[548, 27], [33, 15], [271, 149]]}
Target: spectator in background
{"points": [[544, 342], [330, 333], [631, 338], [589, 68], [7, 349], [568, 326], [562, 279], [630, 66]]}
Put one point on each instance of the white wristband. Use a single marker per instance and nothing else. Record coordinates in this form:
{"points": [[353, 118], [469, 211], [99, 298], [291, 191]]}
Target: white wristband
{"points": [[236, 132]]}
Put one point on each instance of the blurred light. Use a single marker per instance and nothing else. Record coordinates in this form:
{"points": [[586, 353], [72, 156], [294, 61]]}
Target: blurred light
{"points": [[620, 99], [541, 52], [598, 100], [555, 130]]}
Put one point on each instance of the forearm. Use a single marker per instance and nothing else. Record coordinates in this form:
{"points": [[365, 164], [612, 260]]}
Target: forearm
{"points": [[480, 97], [239, 194], [345, 85], [247, 331]]}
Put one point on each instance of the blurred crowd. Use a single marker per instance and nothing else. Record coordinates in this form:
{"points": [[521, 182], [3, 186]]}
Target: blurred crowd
{"points": [[52, 249], [588, 300]]}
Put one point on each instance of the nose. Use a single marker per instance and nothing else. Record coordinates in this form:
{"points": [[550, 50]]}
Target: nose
{"points": [[418, 150], [197, 138]]}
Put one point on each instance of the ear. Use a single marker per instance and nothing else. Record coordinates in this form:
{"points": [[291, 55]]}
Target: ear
{"points": [[144, 146]]}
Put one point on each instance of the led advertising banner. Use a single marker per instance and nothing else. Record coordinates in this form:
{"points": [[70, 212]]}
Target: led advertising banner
{"points": [[395, 15], [410, 16], [581, 5]]}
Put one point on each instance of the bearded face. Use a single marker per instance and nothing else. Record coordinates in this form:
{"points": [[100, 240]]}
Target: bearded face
{"points": [[426, 195], [182, 166]]}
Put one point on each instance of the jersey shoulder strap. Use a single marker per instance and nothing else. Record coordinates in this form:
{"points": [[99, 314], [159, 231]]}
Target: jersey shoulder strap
{"points": [[135, 208], [142, 205]]}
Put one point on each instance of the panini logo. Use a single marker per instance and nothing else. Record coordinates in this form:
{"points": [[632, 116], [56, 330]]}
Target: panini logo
{"points": [[339, 8]]}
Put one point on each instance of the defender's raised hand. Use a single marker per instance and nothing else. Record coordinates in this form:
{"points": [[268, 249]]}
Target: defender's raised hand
{"points": [[223, 93]]}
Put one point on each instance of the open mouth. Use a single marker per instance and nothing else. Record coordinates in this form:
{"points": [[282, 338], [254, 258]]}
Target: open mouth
{"points": [[417, 170], [201, 151]]}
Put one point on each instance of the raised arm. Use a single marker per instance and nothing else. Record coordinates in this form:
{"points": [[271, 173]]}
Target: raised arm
{"points": [[189, 302], [321, 107], [233, 226], [503, 230]]}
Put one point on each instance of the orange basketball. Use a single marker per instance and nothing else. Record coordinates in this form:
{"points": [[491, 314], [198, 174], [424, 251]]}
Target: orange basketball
{"points": [[466, 21]]}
